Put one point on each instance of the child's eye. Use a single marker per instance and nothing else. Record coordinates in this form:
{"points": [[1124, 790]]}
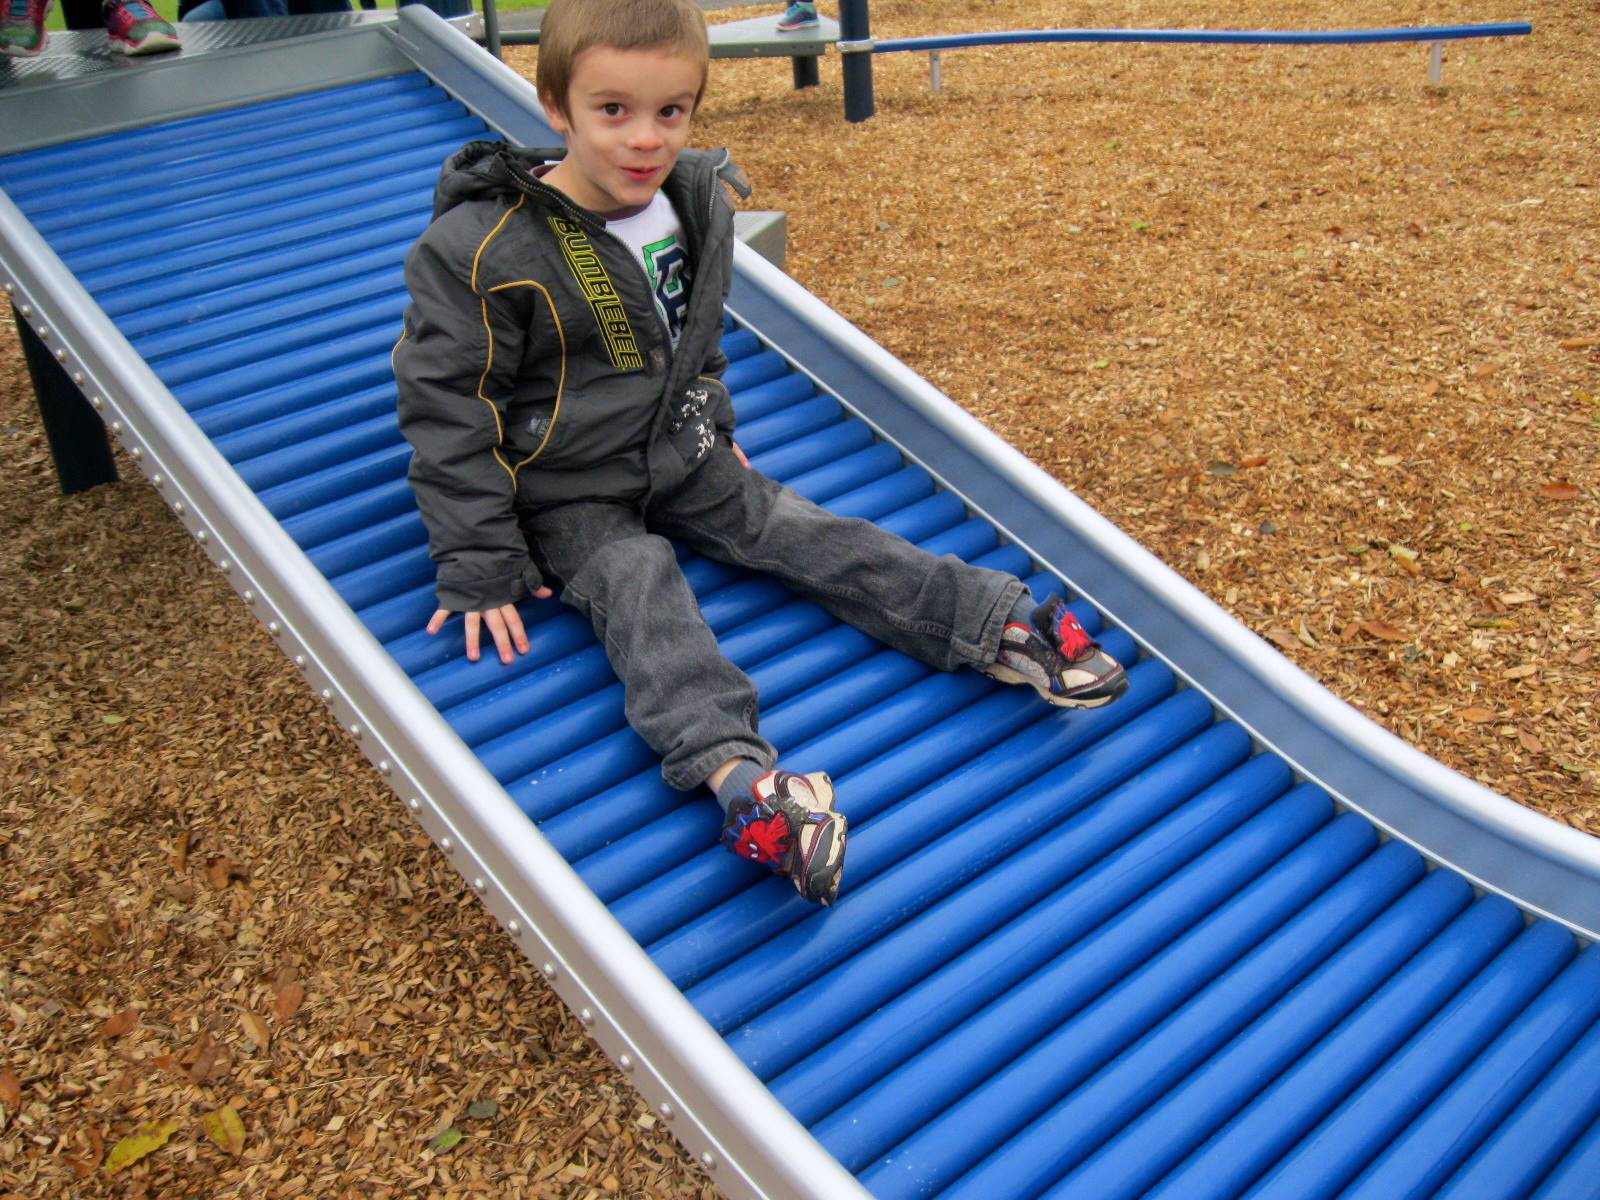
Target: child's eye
{"points": [[612, 110], [672, 111]]}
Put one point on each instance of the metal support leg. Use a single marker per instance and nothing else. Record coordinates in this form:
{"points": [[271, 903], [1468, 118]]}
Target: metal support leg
{"points": [[805, 71], [855, 44], [77, 436], [1435, 63], [491, 28], [935, 72]]}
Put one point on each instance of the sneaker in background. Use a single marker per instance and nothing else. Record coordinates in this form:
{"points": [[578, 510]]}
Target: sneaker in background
{"points": [[135, 27], [787, 824], [798, 16], [22, 32], [1055, 656]]}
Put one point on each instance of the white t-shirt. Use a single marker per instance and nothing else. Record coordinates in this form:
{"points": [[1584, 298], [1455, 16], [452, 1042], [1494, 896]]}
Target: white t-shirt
{"points": [[655, 235]]}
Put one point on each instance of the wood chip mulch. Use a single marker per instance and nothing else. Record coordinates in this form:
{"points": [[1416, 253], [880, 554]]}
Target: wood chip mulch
{"points": [[1324, 338]]}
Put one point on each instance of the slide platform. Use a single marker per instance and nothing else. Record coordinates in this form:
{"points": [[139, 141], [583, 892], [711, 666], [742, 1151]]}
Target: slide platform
{"points": [[1224, 937]]}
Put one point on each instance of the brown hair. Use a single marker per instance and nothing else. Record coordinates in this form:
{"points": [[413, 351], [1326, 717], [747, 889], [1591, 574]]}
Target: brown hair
{"points": [[572, 26]]}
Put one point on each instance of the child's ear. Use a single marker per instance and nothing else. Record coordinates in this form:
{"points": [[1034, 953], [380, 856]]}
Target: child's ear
{"points": [[553, 114]]}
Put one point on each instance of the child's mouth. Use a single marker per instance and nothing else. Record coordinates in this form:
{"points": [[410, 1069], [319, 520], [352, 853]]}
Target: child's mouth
{"points": [[642, 174]]}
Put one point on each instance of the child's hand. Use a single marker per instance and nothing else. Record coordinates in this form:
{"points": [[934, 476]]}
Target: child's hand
{"points": [[505, 626], [740, 454]]}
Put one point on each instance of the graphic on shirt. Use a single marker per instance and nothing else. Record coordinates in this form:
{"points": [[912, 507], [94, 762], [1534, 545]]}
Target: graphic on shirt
{"points": [[667, 265], [601, 294]]}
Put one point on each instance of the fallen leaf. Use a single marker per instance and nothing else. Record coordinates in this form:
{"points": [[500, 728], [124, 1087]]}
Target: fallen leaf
{"points": [[255, 1029], [1477, 716], [1388, 460], [1490, 623], [1530, 743], [180, 852], [1304, 635], [1222, 470], [1521, 672], [120, 1024], [1559, 490], [222, 870], [207, 1060], [1580, 343], [445, 1141], [112, 718], [225, 1129], [1399, 551], [479, 1109], [1383, 631], [1255, 460], [288, 1000], [1482, 370], [1518, 597], [147, 1139], [10, 1089], [1283, 639]]}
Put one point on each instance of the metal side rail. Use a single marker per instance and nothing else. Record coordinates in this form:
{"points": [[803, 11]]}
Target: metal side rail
{"points": [[1222, 936]]}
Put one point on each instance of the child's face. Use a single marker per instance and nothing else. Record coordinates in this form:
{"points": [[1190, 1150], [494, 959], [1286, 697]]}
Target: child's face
{"points": [[626, 121]]}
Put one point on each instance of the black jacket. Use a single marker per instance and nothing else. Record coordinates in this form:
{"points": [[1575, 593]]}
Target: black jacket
{"points": [[533, 368]]}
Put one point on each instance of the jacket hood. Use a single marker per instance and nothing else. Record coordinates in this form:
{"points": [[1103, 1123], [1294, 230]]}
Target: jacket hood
{"points": [[483, 169]]}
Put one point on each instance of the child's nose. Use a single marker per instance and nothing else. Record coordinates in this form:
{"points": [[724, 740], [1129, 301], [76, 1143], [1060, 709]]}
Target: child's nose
{"points": [[644, 136]]}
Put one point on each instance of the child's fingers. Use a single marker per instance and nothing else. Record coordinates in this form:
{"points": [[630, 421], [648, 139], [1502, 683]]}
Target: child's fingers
{"points": [[471, 620], [436, 622], [497, 628], [513, 621]]}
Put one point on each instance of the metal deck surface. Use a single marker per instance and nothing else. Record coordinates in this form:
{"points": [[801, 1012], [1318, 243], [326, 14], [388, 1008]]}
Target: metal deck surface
{"points": [[1104, 954]]}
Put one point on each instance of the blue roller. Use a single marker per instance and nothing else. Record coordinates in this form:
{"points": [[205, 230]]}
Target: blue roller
{"points": [[114, 150], [1544, 1127], [756, 400], [657, 907], [1438, 1141], [230, 415], [754, 370], [278, 355], [1369, 1120], [357, 456], [899, 883], [334, 501], [1067, 1133], [1059, 1058], [168, 339], [358, 345], [1170, 1128], [792, 422], [1289, 1108], [260, 187], [857, 987], [310, 203], [1575, 1174]]}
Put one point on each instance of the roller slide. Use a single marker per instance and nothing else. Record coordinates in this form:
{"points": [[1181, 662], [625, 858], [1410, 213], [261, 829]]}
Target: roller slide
{"points": [[1222, 937]]}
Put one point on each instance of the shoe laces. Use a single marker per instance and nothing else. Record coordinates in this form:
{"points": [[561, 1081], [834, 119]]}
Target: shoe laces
{"points": [[138, 10], [24, 12]]}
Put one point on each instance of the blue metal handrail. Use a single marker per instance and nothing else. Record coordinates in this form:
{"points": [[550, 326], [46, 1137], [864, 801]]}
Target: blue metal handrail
{"points": [[1263, 37]]}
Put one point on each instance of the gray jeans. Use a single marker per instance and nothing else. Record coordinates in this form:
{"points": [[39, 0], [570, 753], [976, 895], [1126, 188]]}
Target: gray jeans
{"points": [[694, 707]]}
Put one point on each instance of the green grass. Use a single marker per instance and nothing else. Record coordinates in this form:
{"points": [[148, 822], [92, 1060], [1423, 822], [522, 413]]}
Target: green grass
{"points": [[169, 9]]}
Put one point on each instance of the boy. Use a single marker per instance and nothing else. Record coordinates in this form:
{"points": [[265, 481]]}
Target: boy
{"points": [[560, 384]]}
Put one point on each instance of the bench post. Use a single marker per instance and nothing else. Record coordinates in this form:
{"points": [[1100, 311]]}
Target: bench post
{"points": [[77, 435]]}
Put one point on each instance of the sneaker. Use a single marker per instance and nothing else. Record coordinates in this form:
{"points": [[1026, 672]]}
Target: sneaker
{"points": [[22, 32], [788, 823], [798, 16], [1057, 658], [135, 27]]}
